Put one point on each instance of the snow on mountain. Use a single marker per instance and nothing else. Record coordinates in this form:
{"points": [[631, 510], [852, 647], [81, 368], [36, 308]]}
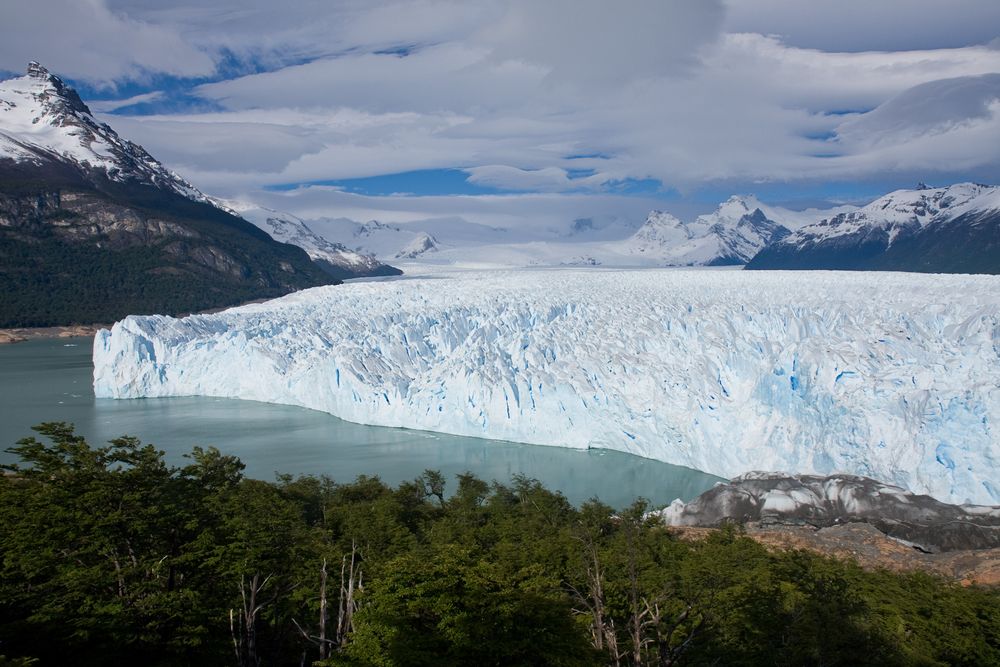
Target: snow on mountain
{"points": [[389, 241], [731, 235], [730, 211], [949, 229], [738, 206], [422, 244], [663, 230], [43, 120], [334, 257], [901, 212], [892, 376]]}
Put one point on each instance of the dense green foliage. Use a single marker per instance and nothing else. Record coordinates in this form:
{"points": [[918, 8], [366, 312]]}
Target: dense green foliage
{"points": [[109, 556], [50, 282]]}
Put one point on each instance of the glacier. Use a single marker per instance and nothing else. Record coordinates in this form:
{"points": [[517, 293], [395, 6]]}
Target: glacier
{"points": [[893, 376]]}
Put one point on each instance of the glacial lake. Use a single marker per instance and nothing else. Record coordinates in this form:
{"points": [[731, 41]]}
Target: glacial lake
{"points": [[51, 380]]}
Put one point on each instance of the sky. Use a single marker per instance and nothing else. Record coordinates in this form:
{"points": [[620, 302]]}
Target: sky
{"points": [[534, 111]]}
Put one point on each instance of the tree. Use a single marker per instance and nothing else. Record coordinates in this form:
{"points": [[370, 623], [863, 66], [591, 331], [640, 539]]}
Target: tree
{"points": [[447, 607]]}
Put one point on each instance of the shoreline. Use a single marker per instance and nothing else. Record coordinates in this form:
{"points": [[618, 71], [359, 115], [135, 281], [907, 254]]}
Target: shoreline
{"points": [[21, 334]]}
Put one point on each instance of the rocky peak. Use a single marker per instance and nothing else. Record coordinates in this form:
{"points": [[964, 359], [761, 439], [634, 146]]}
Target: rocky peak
{"points": [[44, 120], [421, 244], [737, 206], [37, 71], [760, 223], [56, 95], [661, 219], [372, 226]]}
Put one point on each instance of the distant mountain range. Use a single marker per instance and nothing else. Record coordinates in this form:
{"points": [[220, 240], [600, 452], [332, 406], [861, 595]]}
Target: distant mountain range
{"points": [[730, 235], [92, 227], [334, 258], [954, 229]]}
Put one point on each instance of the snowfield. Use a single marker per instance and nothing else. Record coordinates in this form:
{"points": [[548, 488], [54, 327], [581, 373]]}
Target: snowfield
{"points": [[888, 375]]}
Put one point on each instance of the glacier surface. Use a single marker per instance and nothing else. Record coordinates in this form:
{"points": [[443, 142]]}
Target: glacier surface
{"points": [[889, 375]]}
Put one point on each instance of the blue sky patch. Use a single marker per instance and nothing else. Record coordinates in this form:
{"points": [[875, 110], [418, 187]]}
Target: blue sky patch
{"points": [[423, 182]]}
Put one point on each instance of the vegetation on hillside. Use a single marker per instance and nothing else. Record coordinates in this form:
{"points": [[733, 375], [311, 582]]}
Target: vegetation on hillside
{"points": [[65, 259], [110, 556]]}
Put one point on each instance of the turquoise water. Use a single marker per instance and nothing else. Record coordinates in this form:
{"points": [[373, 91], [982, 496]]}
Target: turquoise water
{"points": [[50, 380]]}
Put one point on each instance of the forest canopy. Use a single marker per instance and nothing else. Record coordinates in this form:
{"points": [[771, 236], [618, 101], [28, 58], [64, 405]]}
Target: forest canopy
{"points": [[110, 556]]}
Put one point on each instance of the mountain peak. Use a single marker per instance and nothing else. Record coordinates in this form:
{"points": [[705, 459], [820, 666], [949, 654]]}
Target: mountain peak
{"points": [[66, 99], [738, 205], [421, 244], [37, 71], [659, 218], [42, 119]]}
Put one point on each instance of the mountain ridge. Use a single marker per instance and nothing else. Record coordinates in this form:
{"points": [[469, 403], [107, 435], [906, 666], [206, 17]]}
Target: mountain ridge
{"points": [[335, 258], [952, 229], [93, 228]]}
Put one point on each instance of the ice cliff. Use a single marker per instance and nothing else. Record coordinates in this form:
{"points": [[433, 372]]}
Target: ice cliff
{"points": [[891, 376]]}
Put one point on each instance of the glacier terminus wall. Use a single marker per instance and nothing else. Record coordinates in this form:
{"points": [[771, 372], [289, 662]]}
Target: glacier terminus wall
{"points": [[890, 375]]}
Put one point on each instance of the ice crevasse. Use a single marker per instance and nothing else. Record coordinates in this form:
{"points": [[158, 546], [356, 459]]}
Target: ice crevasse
{"points": [[889, 375]]}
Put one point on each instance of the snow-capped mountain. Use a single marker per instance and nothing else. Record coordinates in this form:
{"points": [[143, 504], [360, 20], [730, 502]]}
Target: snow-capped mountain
{"points": [[954, 229], [422, 244], [43, 120], [92, 227], [336, 259], [738, 206], [892, 376], [421, 240], [731, 235], [662, 230], [728, 236]]}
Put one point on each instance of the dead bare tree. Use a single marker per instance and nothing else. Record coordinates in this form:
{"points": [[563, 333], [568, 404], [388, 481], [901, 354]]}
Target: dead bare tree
{"points": [[602, 629], [350, 584], [243, 625], [322, 612], [347, 604]]}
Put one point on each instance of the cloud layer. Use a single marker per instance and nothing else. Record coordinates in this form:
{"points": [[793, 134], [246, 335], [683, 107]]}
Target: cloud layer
{"points": [[565, 96]]}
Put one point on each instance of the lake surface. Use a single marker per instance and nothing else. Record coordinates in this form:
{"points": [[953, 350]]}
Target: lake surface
{"points": [[50, 380]]}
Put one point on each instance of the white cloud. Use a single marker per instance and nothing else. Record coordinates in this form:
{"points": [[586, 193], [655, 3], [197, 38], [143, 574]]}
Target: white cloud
{"points": [[933, 127], [107, 106], [450, 76], [867, 25], [548, 179], [275, 34], [936, 107], [514, 212], [590, 41], [85, 40], [510, 90]]}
